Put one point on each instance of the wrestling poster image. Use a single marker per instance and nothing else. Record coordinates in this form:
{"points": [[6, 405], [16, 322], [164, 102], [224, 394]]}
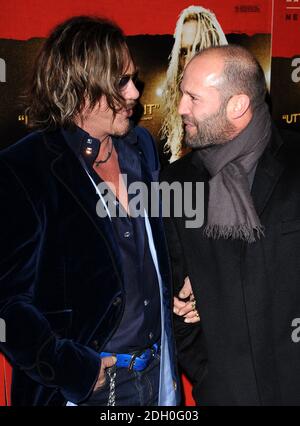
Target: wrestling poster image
{"points": [[285, 76], [162, 35], [196, 28]]}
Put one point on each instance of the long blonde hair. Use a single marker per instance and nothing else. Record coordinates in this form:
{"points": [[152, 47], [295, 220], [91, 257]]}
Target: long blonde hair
{"points": [[209, 33]]}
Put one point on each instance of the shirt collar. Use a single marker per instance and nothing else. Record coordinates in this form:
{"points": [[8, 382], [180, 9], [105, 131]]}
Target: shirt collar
{"points": [[85, 146]]}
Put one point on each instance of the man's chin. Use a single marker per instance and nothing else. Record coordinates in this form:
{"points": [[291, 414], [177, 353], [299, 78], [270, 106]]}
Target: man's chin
{"points": [[192, 142], [124, 129], [197, 143]]}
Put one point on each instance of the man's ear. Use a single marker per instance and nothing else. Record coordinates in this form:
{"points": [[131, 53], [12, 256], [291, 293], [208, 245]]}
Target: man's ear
{"points": [[237, 106]]}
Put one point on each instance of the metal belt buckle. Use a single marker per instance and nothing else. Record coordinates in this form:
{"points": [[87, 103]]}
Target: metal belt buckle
{"points": [[154, 349], [132, 362]]}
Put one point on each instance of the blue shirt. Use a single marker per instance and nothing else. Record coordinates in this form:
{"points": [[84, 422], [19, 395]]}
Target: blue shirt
{"points": [[137, 329]]}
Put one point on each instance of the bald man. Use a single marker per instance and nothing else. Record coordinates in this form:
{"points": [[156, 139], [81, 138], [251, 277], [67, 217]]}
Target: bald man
{"points": [[240, 269]]}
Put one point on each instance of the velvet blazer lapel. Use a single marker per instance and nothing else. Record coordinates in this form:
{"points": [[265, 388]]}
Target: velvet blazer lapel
{"points": [[69, 172]]}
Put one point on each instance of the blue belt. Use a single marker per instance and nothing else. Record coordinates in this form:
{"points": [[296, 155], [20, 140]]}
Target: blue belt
{"points": [[137, 361]]}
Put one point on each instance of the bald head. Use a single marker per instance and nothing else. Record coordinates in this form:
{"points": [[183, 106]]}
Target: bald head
{"points": [[207, 68], [221, 88], [238, 72]]}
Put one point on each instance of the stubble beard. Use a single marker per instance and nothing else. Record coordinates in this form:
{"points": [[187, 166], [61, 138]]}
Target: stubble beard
{"points": [[127, 124], [122, 131], [214, 129]]}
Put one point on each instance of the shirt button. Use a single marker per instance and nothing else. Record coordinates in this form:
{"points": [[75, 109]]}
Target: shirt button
{"points": [[95, 345], [151, 336], [117, 301], [127, 234], [146, 302]]}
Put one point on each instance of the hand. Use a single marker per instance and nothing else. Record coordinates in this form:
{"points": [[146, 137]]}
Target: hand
{"points": [[106, 362], [186, 309]]}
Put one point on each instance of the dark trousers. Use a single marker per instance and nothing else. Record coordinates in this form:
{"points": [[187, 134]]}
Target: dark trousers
{"points": [[131, 387]]}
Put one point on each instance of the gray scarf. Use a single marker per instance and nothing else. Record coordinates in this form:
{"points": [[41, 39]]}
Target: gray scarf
{"points": [[231, 212]]}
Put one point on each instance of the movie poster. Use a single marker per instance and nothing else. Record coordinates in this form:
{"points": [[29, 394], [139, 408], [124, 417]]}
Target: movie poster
{"points": [[162, 36], [285, 76], [150, 27]]}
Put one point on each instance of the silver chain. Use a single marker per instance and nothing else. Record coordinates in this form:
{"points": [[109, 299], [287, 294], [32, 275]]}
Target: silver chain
{"points": [[112, 372]]}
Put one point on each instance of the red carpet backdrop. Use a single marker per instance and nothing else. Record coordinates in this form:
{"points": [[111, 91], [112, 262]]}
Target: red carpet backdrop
{"points": [[268, 28]]}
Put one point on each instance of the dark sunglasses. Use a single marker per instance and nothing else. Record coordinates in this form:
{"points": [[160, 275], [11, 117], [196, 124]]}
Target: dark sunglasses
{"points": [[124, 79]]}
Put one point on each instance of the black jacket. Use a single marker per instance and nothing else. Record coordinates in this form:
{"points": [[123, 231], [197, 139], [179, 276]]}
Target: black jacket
{"points": [[61, 286], [242, 352]]}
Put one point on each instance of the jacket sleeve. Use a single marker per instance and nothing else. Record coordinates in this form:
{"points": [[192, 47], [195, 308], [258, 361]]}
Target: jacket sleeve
{"points": [[190, 344], [31, 345]]}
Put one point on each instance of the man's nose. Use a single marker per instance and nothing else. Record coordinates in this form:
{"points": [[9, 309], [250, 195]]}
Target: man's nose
{"points": [[131, 92], [183, 107]]}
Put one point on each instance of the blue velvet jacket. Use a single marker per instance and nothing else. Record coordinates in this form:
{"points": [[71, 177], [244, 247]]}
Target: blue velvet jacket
{"points": [[61, 286]]}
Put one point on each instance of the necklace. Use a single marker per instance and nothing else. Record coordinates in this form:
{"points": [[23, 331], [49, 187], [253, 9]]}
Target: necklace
{"points": [[97, 163]]}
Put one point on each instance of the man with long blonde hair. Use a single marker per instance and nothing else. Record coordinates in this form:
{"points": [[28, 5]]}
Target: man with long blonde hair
{"points": [[197, 28]]}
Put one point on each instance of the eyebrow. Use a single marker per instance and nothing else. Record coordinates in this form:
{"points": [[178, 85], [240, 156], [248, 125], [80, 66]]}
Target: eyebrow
{"points": [[134, 71], [194, 95]]}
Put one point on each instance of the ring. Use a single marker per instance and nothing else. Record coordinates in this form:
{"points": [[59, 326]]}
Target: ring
{"points": [[197, 315], [194, 305]]}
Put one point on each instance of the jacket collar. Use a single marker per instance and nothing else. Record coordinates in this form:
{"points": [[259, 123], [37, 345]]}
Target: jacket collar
{"points": [[68, 170], [268, 172], [56, 140]]}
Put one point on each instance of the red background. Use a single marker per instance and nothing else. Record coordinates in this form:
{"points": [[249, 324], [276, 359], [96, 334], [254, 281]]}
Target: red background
{"points": [[285, 32], [21, 19]]}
